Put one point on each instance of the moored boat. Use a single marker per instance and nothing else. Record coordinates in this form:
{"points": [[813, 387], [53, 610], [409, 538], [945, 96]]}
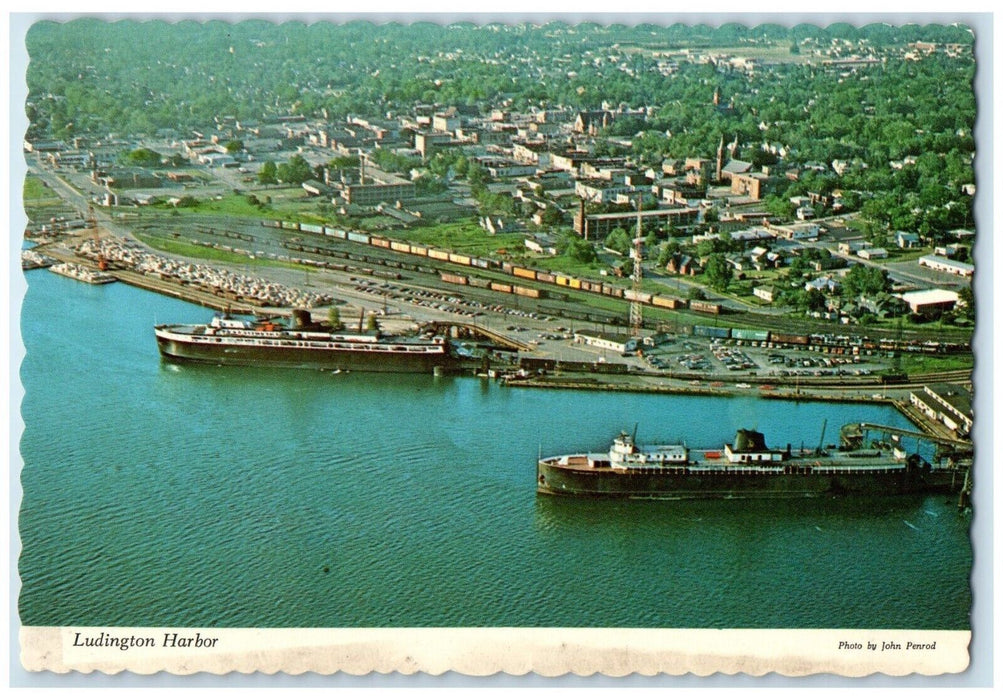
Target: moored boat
{"points": [[265, 342], [745, 468]]}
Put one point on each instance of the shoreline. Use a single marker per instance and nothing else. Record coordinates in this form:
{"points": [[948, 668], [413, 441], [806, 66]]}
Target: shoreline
{"points": [[861, 392], [583, 383]]}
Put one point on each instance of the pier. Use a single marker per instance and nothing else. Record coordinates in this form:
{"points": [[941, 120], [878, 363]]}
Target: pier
{"points": [[457, 329]]}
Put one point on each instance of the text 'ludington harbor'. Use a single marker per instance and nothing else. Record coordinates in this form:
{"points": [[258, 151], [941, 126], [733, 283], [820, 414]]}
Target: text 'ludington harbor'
{"points": [[125, 643]]}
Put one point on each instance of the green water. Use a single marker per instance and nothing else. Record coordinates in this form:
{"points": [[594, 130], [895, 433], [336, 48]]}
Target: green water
{"points": [[158, 495]]}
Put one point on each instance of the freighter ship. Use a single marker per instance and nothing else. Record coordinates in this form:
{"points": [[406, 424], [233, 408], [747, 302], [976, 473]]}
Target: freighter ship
{"points": [[746, 468], [231, 341]]}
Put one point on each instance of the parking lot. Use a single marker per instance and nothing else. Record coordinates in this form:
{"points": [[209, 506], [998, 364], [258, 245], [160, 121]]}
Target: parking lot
{"points": [[685, 354]]}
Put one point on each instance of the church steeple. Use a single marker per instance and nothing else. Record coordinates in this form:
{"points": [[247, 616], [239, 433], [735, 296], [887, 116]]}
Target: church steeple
{"points": [[720, 160]]}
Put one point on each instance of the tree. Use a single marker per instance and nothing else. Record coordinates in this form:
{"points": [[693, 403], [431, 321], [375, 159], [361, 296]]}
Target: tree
{"points": [[718, 272], [427, 183], [815, 300], [618, 240], [711, 245], [142, 157], [234, 146], [863, 280], [966, 303], [477, 174], [343, 162], [268, 175], [334, 318], [371, 323], [668, 250], [551, 216], [580, 250], [295, 171]]}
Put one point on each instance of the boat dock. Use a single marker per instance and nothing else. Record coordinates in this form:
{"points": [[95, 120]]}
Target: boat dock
{"points": [[187, 293], [82, 273]]}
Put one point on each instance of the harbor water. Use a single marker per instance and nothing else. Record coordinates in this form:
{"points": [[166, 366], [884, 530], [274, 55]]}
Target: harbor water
{"points": [[165, 495]]}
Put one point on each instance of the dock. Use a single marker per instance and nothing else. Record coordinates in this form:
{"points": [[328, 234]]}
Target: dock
{"points": [[188, 293]]}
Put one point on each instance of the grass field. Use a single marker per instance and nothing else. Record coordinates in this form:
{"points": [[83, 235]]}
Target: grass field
{"points": [[36, 194], [285, 204], [464, 236], [929, 364], [188, 250]]}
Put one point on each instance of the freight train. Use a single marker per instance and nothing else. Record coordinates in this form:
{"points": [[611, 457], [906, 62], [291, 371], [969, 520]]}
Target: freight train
{"points": [[825, 342], [554, 280]]}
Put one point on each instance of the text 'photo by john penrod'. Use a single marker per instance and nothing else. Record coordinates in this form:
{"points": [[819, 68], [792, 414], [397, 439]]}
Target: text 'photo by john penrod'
{"points": [[519, 326]]}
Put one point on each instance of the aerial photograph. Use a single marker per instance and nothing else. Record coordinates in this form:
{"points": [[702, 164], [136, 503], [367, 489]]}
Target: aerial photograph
{"points": [[342, 324]]}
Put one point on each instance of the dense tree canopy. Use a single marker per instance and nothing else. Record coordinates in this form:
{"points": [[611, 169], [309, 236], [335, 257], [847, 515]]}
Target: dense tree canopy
{"points": [[186, 74], [128, 77], [863, 280], [143, 157], [294, 171], [718, 272]]}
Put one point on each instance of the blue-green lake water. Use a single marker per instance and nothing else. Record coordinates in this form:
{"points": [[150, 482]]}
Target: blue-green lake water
{"points": [[157, 495]]}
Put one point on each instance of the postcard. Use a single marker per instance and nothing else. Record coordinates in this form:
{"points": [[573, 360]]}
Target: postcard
{"points": [[538, 346]]}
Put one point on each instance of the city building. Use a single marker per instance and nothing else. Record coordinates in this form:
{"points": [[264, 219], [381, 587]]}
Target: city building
{"points": [[616, 342], [930, 303], [935, 262], [594, 226], [949, 404]]}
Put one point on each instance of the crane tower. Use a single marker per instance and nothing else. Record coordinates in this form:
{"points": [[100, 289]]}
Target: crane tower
{"points": [[636, 317]]}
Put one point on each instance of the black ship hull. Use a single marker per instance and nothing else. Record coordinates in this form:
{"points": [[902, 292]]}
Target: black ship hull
{"points": [[313, 358], [684, 484]]}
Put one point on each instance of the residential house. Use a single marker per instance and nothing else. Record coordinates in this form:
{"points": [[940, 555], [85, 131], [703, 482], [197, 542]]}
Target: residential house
{"points": [[682, 264], [851, 247], [882, 305], [542, 244], [872, 253], [904, 239], [826, 285]]}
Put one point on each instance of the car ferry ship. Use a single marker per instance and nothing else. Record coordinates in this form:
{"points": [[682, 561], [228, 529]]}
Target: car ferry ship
{"points": [[745, 468], [263, 342]]}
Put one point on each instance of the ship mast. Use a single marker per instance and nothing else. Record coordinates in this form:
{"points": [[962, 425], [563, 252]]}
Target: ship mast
{"points": [[635, 304]]}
